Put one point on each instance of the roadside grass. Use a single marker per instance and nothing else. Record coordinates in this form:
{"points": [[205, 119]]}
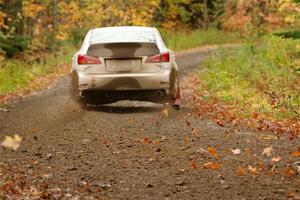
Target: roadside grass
{"points": [[189, 39], [16, 75], [259, 78]]}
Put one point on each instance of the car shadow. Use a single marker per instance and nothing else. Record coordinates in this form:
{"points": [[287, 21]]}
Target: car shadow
{"points": [[124, 109]]}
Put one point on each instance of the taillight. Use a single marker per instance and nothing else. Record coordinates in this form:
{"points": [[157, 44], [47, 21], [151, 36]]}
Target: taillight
{"points": [[163, 57], [85, 60]]}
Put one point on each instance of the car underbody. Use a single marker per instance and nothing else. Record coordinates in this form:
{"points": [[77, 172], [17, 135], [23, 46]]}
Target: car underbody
{"points": [[96, 97]]}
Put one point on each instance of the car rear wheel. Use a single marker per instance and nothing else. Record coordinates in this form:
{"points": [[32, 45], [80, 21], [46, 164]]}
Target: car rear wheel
{"points": [[74, 91], [174, 91]]}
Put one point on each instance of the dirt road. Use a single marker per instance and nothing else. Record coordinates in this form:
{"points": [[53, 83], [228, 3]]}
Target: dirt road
{"points": [[132, 150]]}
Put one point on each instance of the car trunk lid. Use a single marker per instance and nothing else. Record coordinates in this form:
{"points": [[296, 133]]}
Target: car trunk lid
{"points": [[123, 57]]}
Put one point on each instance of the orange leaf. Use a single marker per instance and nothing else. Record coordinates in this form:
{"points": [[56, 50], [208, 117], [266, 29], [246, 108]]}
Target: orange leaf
{"points": [[241, 171], [105, 142], [250, 152], [255, 115], [295, 154], [186, 140], [252, 170], [193, 164], [261, 165], [282, 110], [291, 194], [289, 172], [212, 165], [146, 140], [34, 130], [212, 151]]}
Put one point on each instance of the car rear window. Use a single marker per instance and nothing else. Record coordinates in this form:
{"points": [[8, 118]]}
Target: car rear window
{"points": [[122, 36]]}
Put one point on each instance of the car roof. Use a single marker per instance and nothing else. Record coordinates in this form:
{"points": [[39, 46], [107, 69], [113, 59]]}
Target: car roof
{"points": [[123, 28], [119, 34]]}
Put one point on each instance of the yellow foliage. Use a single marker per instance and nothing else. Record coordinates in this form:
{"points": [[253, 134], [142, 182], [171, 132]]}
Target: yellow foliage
{"points": [[31, 9], [2, 17], [62, 36], [290, 19]]}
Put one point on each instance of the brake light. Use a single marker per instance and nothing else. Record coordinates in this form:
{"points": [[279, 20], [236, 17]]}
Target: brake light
{"points": [[85, 60], [163, 57]]}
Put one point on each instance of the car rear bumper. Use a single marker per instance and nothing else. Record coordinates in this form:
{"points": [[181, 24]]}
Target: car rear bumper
{"points": [[125, 81]]}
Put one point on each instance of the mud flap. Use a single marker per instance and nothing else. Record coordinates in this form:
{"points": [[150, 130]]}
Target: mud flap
{"points": [[177, 101]]}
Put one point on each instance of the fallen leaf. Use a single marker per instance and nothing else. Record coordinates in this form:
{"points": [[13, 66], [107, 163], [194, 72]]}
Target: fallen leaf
{"points": [[298, 169], [34, 130], [291, 194], [282, 110], [47, 175], [241, 171], [236, 151], [196, 133], [131, 120], [276, 159], [212, 151], [193, 164], [12, 142], [146, 140], [261, 165], [255, 115], [289, 172], [252, 170], [35, 162], [220, 123], [295, 154], [267, 151], [105, 142], [163, 138], [186, 140], [212, 165], [249, 152], [165, 112]]}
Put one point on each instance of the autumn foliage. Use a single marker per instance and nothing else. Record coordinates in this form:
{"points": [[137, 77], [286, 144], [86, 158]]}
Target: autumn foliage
{"points": [[259, 16], [40, 25]]}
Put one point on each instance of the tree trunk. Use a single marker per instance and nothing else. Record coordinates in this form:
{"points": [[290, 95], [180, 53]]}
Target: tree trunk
{"points": [[205, 14], [54, 16]]}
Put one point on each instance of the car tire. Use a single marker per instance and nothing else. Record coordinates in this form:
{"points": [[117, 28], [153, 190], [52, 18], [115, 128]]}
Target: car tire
{"points": [[174, 91], [74, 91]]}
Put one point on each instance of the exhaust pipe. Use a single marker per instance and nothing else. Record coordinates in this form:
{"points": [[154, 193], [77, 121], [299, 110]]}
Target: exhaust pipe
{"points": [[158, 94]]}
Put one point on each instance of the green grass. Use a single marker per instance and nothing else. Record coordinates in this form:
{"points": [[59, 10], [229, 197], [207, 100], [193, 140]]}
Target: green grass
{"points": [[185, 40], [17, 74], [263, 78]]}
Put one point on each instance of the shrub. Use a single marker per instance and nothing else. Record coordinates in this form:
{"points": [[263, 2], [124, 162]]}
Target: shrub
{"points": [[12, 44]]}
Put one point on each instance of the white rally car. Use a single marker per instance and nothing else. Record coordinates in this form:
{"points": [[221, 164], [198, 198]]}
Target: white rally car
{"points": [[124, 63]]}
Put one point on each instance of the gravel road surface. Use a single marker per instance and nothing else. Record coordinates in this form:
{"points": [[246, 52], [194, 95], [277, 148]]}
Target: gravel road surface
{"points": [[132, 150]]}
